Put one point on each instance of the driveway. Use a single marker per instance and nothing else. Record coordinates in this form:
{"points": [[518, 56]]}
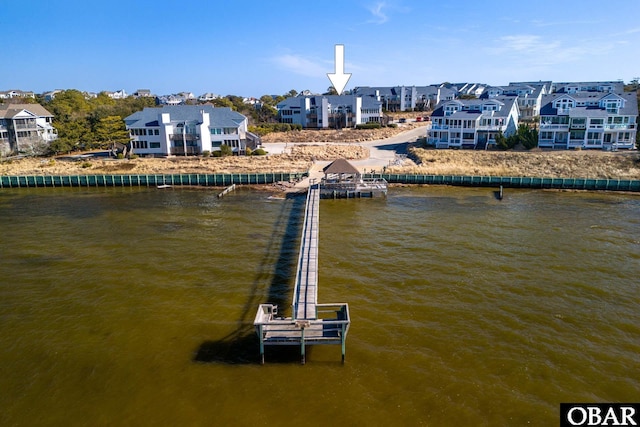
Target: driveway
{"points": [[382, 152]]}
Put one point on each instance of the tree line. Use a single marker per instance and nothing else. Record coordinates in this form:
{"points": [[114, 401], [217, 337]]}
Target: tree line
{"points": [[96, 123]]}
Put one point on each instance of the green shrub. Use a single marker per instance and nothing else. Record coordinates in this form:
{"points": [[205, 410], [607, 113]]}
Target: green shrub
{"points": [[206, 153], [225, 150], [370, 125], [217, 153], [86, 165], [266, 128], [247, 151], [392, 125], [258, 152], [120, 156]]}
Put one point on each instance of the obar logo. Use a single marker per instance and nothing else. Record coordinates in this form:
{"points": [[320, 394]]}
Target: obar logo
{"points": [[599, 414]]}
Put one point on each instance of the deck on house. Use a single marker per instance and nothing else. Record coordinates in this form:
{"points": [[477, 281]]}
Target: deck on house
{"points": [[311, 323]]}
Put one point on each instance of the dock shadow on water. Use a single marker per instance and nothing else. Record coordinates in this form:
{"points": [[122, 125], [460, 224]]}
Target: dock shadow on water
{"points": [[277, 267]]}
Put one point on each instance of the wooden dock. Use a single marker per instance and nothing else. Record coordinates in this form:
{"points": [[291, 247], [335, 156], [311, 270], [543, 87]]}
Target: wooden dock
{"points": [[311, 323]]}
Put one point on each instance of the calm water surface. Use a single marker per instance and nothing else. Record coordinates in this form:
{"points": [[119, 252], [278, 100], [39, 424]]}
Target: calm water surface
{"points": [[135, 307]]}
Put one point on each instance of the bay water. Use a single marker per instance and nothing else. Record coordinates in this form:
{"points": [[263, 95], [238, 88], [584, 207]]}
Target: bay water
{"points": [[134, 306]]}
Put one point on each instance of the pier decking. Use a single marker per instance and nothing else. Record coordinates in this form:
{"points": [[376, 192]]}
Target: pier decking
{"points": [[311, 323]]}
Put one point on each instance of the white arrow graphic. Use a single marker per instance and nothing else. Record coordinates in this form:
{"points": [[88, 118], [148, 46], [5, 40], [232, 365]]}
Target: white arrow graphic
{"points": [[339, 79]]}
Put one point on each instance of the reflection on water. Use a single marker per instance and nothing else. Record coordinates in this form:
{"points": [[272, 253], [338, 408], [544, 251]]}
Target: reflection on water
{"points": [[135, 307]]}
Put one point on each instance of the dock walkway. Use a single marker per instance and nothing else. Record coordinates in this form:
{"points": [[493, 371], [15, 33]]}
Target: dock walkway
{"points": [[311, 323]]}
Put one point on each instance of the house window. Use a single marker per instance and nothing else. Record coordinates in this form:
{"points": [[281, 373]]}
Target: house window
{"points": [[216, 131], [154, 145]]}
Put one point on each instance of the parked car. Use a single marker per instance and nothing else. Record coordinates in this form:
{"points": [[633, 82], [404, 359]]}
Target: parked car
{"points": [[403, 120]]}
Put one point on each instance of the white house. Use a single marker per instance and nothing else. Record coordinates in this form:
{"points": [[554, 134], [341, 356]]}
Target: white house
{"points": [[143, 93], [208, 96], [188, 129], [529, 96], [575, 87], [329, 111], [25, 128], [119, 94], [472, 123], [604, 120], [406, 98], [9, 94]]}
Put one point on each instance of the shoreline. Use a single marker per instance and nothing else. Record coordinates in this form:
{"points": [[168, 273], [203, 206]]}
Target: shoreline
{"points": [[570, 164]]}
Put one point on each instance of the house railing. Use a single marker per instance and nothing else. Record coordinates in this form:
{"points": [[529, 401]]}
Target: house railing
{"points": [[618, 126], [185, 137], [180, 150], [550, 126]]}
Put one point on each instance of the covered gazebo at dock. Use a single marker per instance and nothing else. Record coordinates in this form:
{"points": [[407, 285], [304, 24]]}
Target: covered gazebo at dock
{"points": [[343, 180]]}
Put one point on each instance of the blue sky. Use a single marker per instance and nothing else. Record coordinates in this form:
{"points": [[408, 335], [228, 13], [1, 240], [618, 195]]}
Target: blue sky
{"points": [[252, 48]]}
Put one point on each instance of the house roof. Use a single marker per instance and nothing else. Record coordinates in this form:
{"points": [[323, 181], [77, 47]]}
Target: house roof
{"points": [[8, 111], [630, 107], [334, 100], [219, 117], [340, 166], [506, 103]]}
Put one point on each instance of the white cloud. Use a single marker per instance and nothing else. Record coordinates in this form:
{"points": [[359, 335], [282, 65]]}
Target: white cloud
{"points": [[300, 65], [379, 16]]}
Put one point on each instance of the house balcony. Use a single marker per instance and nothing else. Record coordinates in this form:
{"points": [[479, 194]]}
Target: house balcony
{"points": [[595, 143], [492, 128], [619, 126], [578, 127], [455, 142], [25, 126], [179, 151], [575, 143], [183, 137], [544, 126], [439, 127]]}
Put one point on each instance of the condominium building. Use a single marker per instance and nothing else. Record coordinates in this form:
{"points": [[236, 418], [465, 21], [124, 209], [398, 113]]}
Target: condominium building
{"points": [[188, 130], [529, 96], [329, 111], [407, 98], [588, 119], [472, 123]]}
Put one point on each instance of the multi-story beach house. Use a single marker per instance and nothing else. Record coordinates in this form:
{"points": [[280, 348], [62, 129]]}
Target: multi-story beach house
{"points": [[472, 123], [407, 98], [25, 128], [575, 87], [188, 130], [329, 111], [588, 119], [529, 96]]}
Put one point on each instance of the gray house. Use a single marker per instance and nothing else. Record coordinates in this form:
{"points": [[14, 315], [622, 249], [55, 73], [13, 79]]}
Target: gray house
{"points": [[25, 128]]}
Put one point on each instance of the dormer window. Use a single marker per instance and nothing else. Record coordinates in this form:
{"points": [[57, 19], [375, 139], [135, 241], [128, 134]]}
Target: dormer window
{"points": [[563, 105]]}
